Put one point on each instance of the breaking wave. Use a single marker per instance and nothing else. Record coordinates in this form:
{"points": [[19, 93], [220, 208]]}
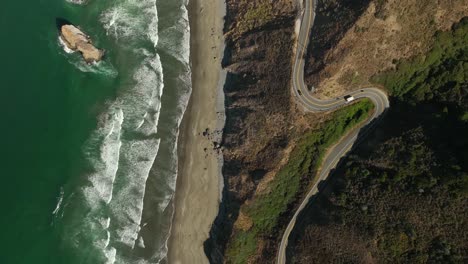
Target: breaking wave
{"points": [[104, 68], [131, 155], [64, 46], [77, 2], [132, 20], [59, 202]]}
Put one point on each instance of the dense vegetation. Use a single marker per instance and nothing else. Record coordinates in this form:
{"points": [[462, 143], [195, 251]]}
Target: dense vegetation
{"points": [[266, 209], [256, 15], [257, 106], [438, 82], [403, 196], [253, 15], [438, 76]]}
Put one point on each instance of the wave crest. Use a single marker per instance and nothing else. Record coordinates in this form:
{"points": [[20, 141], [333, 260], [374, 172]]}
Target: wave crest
{"points": [[132, 20], [125, 147]]}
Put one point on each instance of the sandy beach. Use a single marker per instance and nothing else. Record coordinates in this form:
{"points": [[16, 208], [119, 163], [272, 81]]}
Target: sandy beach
{"points": [[199, 180]]}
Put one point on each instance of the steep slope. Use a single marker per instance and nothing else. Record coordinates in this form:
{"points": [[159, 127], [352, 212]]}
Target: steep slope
{"points": [[403, 195]]}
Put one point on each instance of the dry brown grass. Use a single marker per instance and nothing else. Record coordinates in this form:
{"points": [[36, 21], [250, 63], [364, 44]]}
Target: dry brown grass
{"points": [[383, 35], [243, 222], [256, 14]]}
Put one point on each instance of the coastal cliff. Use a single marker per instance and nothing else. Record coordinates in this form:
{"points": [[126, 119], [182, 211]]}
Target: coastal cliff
{"points": [[264, 124], [77, 40], [259, 41], [263, 127], [401, 196]]}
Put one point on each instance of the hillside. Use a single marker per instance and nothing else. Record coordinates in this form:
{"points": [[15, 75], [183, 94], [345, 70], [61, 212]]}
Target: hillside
{"points": [[403, 195], [272, 149], [355, 40]]}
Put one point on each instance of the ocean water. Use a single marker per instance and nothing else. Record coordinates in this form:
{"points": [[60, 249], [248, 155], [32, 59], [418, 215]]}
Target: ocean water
{"points": [[88, 152]]}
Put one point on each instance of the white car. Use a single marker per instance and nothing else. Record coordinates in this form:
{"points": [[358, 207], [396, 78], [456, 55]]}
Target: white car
{"points": [[349, 98]]}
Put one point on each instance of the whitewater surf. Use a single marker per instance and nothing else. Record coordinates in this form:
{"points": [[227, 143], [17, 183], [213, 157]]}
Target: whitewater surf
{"points": [[117, 210]]}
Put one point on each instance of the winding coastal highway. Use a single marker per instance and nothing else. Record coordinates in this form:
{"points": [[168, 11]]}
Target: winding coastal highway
{"points": [[304, 97]]}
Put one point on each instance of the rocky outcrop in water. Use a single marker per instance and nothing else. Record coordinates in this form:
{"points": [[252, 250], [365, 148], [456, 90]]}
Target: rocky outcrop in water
{"points": [[77, 40]]}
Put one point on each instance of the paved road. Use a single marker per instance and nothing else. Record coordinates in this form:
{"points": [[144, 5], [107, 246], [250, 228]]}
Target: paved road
{"points": [[310, 103]]}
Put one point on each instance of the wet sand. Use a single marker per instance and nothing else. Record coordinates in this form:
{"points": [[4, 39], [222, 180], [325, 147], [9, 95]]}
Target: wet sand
{"points": [[199, 180]]}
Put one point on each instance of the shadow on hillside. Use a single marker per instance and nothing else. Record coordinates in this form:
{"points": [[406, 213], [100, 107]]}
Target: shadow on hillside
{"points": [[317, 210], [333, 19]]}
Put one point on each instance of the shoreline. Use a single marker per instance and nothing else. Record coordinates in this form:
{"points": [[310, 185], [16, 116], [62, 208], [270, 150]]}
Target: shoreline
{"points": [[199, 180]]}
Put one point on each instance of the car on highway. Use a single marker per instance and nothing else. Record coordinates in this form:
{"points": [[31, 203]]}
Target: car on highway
{"points": [[349, 98]]}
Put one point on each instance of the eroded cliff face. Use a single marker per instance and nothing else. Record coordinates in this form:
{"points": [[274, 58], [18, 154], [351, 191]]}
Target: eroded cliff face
{"points": [[77, 40], [262, 120], [258, 105]]}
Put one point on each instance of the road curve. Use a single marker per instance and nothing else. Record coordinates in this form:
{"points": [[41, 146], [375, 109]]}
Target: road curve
{"points": [[304, 97]]}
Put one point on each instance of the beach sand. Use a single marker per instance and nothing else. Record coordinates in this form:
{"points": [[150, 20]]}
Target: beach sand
{"points": [[199, 180]]}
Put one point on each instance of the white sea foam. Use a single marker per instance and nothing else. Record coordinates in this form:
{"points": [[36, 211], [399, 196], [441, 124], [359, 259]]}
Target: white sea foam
{"points": [[77, 2], [175, 40], [59, 202], [110, 254], [152, 32], [142, 104], [123, 149], [132, 20], [127, 207], [105, 222], [106, 244], [141, 242], [102, 151], [103, 67], [165, 202], [64, 46], [119, 22], [110, 151], [106, 165]]}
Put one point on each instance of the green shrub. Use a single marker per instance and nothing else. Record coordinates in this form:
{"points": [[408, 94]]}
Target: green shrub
{"points": [[441, 73], [266, 209]]}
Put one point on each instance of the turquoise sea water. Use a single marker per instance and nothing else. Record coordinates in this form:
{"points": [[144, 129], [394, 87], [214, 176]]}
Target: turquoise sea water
{"points": [[88, 152]]}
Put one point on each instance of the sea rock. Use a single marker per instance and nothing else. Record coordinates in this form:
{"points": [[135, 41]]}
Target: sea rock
{"points": [[77, 40]]}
